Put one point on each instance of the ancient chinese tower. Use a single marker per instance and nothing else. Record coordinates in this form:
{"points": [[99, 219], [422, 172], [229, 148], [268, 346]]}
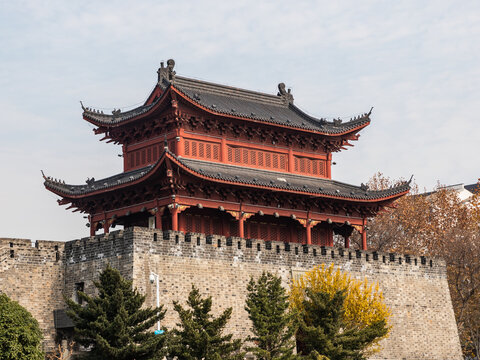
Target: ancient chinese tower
{"points": [[213, 159]]}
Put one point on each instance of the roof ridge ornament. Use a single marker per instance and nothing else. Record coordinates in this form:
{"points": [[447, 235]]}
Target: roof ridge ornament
{"points": [[167, 73], [286, 95]]}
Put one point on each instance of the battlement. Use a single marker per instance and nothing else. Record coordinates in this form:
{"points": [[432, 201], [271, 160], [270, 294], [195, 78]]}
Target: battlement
{"points": [[24, 250], [176, 243]]}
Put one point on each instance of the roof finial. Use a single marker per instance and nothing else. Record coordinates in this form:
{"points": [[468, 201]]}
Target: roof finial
{"points": [[409, 181], [171, 73], [166, 73], [44, 177], [370, 112], [286, 95], [83, 107]]}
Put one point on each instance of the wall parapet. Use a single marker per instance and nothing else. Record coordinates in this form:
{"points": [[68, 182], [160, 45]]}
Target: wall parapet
{"points": [[191, 244]]}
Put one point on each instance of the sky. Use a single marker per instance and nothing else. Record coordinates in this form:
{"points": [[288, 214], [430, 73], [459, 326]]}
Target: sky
{"points": [[416, 62]]}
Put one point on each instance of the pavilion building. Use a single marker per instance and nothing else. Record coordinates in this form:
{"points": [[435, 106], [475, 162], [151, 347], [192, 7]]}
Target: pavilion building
{"points": [[207, 158]]}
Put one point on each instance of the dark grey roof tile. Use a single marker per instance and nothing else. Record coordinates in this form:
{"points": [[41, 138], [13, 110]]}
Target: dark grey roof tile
{"points": [[236, 102], [236, 174]]}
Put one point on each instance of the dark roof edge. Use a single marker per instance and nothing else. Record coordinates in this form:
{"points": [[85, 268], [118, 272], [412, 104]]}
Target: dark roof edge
{"points": [[124, 179]]}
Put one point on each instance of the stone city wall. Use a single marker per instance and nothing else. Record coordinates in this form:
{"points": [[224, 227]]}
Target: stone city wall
{"points": [[415, 288]]}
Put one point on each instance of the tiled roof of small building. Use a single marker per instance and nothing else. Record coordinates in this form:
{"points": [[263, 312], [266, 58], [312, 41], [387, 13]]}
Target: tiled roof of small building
{"points": [[231, 101], [472, 187], [238, 175]]}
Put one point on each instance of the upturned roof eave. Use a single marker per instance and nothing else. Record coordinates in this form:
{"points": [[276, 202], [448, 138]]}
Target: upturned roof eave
{"points": [[349, 127], [374, 198], [362, 123]]}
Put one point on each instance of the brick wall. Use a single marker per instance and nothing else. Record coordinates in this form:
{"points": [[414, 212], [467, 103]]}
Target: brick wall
{"points": [[33, 276], [415, 289]]}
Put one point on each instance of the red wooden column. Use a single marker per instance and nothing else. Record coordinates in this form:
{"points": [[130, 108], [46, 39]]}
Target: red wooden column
{"points": [[174, 211], [364, 235], [223, 150], [329, 166], [241, 232], [347, 242], [308, 229], [364, 239], [291, 161]]}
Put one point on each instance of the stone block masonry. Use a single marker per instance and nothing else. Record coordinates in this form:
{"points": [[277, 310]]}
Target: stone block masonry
{"points": [[415, 288], [34, 276]]}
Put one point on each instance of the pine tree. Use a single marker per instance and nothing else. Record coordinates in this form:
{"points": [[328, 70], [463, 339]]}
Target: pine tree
{"points": [[323, 329], [20, 335], [273, 325], [199, 336], [114, 323]]}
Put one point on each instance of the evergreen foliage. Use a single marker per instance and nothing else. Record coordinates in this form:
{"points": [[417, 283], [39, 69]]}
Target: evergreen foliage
{"points": [[114, 323], [20, 335], [323, 329], [273, 325], [199, 335]]}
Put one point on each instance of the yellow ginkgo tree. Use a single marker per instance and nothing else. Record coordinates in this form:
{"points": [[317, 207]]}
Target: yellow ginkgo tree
{"points": [[357, 306]]}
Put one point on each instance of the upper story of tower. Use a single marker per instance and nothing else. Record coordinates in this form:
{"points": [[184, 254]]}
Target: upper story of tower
{"points": [[217, 123]]}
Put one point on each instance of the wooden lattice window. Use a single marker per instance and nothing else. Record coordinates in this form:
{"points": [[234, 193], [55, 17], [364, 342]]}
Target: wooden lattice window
{"points": [[188, 223], [237, 156], [137, 158], [253, 157], [315, 167], [233, 228], [198, 224], [217, 226], [273, 232], [209, 151], [260, 158], [149, 154], [254, 230], [321, 169], [144, 157], [296, 164], [263, 231], [194, 148], [302, 165], [300, 234], [155, 154], [230, 154], [187, 147], [268, 160], [216, 152], [282, 162], [206, 223], [275, 161], [201, 149], [171, 146], [283, 233]]}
